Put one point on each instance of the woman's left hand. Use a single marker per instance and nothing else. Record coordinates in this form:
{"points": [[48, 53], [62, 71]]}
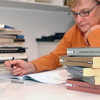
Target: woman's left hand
{"points": [[90, 30]]}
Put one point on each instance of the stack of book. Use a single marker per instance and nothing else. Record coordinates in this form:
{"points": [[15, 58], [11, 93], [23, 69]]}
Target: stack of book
{"points": [[11, 44], [83, 66]]}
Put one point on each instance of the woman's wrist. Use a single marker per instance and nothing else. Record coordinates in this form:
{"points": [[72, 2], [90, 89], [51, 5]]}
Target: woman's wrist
{"points": [[32, 68]]}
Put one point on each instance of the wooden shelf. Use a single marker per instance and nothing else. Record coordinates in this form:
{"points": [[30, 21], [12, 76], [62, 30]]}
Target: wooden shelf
{"points": [[34, 6]]}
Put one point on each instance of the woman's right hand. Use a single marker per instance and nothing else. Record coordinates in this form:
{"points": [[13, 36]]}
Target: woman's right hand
{"points": [[20, 67]]}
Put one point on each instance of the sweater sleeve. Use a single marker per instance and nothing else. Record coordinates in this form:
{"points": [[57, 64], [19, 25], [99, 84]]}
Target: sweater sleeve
{"points": [[94, 38], [51, 61]]}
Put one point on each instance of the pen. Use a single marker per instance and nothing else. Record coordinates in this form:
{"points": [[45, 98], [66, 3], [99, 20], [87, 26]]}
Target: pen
{"points": [[12, 65]]}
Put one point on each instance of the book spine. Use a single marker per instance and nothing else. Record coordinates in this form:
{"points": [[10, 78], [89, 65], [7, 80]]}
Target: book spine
{"points": [[2, 61], [16, 44], [82, 86], [13, 51], [6, 26], [9, 27], [76, 72], [85, 52], [78, 68], [83, 71], [76, 61], [90, 79], [19, 36], [19, 40], [10, 31]]}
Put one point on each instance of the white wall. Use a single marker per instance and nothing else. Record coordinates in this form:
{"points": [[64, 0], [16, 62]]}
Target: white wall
{"points": [[35, 23]]}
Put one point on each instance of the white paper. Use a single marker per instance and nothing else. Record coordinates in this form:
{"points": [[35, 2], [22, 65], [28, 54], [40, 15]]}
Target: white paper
{"points": [[49, 77]]}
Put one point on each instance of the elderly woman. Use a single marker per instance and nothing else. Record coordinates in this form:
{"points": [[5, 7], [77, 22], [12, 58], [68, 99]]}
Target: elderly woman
{"points": [[85, 33]]}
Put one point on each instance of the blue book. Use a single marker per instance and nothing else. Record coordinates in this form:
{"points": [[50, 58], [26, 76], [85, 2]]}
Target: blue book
{"points": [[6, 26], [18, 36]]}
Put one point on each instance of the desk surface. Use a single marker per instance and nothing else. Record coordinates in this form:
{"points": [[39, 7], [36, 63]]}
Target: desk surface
{"points": [[37, 91]]}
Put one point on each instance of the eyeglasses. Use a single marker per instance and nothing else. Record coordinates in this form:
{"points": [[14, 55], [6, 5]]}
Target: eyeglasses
{"points": [[83, 13]]}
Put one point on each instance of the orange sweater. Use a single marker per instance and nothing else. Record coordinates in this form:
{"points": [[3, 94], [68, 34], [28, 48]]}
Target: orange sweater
{"points": [[73, 38]]}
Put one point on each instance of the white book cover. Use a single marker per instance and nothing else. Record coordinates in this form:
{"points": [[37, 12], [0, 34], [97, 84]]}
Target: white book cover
{"points": [[15, 57], [12, 55]]}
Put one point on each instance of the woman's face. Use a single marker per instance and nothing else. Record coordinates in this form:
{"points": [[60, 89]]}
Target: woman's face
{"points": [[85, 23]]}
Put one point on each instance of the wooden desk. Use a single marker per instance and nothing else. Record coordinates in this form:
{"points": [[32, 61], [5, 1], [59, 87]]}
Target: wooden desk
{"points": [[37, 91]]}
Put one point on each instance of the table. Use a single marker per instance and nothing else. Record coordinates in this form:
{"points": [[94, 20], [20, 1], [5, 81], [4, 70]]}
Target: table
{"points": [[32, 90]]}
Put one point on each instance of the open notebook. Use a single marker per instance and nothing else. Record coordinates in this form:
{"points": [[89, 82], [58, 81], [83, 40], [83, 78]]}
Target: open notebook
{"points": [[57, 76]]}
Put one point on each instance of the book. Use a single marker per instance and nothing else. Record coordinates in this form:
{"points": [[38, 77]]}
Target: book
{"points": [[12, 54], [6, 26], [18, 56], [3, 59], [3, 67], [83, 52], [83, 71], [10, 31], [5, 56], [90, 79], [11, 36], [14, 44], [4, 40], [79, 85], [92, 62], [12, 50], [57, 76], [43, 1], [19, 36]]}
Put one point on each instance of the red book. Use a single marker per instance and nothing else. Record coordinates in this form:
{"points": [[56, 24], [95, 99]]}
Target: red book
{"points": [[78, 85]]}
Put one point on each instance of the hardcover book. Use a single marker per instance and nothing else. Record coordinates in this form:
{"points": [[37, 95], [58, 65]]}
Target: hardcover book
{"points": [[86, 52], [93, 62], [78, 85], [12, 49], [91, 79], [12, 54], [4, 40], [6, 26], [11, 36], [3, 59], [10, 31], [19, 56], [14, 44], [83, 71]]}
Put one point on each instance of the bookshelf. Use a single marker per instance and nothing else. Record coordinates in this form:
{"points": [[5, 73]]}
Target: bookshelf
{"points": [[33, 6]]}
